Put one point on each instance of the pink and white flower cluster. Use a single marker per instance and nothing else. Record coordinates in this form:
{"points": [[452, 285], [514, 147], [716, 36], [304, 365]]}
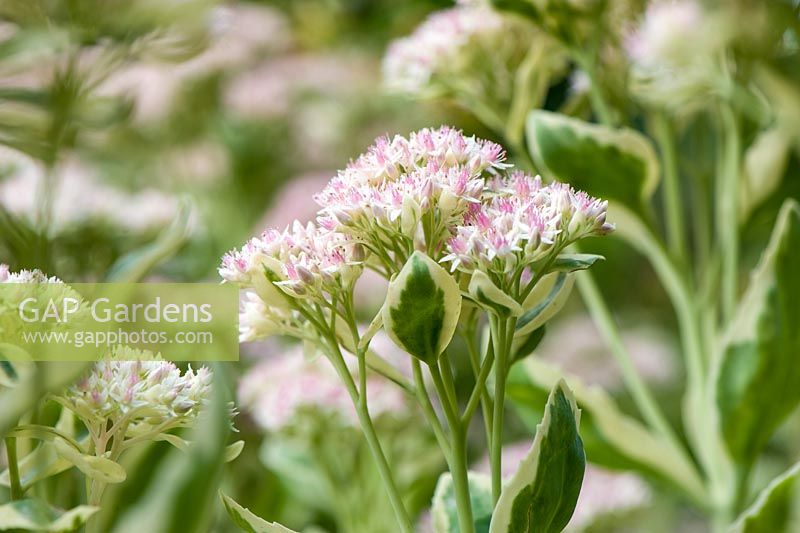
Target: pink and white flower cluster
{"points": [[522, 222], [303, 260], [141, 388], [384, 195], [284, 385], [438, 44], [435, 190]]}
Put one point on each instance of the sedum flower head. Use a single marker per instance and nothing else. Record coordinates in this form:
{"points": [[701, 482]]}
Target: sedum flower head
{"points": [[674, 50], [25, 276], [469, 52], [303, 260], [437, 44], [523, 222], [384, 195], [140, 388]]}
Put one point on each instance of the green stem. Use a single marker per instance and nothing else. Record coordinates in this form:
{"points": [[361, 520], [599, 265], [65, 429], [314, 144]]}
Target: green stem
{"points": [[458, 462], [676, 232], [486, 400], [13, 468], [500, 374], [639, 390], [459, 471], [727, 210], [367, 427], [427, 409], [601, 108]]}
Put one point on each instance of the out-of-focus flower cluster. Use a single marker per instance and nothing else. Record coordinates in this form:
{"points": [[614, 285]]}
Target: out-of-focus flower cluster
{"points": [[436, 190], [138, 393], [522, 223], [675, 52], [284, 385], [79, 197], [470, 52]]}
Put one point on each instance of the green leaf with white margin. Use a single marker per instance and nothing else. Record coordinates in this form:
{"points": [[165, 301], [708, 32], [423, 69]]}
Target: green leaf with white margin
{"points": [[445, 510], [545, 300], [484, 292], [98, 468], [625, 434], [542, 494], [35, 515], [574, 262], [247, 521], [616, 164], [422, 307], [758, 382], [772, 510]]}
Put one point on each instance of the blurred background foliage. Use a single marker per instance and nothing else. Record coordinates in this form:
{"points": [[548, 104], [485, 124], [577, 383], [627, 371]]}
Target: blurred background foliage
{"points": [[115, 115]]}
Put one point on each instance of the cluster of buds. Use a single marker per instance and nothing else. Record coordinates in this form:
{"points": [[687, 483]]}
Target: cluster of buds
{"points": [[303, 261], [137, 393], [521, 223], [383, 197], [440, 44], [285, 385]]}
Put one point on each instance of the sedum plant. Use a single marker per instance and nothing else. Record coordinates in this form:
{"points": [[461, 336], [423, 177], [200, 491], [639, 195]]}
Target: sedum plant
{"points": [[656, 82], [466, 243]]}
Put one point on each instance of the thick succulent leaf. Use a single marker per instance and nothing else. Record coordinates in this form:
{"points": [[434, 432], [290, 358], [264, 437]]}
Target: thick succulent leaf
{"points": [[422, 308], [247, 521], [15, 365], [575, 262], [758, 383], [541, 495], [35, 515], [99, 468], [232, 451], [445, 510], [41, 463], [544, 301], [764, 166], [617, 440], [772, 510], [616, 164], [484, 292], [51, 376]]}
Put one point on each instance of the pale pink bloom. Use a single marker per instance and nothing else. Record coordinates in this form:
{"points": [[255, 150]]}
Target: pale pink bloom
{"points": [[283, 385], [390, 188], [79, 196], [437, 43], [269, 89], [25, 276], [141, 387], [304, 260], [522, 221]]}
